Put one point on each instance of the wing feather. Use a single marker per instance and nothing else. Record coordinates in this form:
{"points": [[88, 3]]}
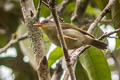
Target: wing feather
{"points": [[68, 26]]}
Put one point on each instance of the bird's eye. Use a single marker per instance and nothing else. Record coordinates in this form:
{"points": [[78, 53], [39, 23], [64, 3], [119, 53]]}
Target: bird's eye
{"points": [[46, 22]]}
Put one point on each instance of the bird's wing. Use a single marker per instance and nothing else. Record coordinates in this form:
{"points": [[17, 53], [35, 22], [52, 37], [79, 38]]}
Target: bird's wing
{"points": [[68, 26]]}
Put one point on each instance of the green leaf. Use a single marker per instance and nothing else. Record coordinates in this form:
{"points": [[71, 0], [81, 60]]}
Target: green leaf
{"points": [[3, 40], [80, 72], [58, 1], [44, 12], [95, 64], [93, 11], [47, 43], [36, 3], [67, 12], [55, 55], [26, 45]]}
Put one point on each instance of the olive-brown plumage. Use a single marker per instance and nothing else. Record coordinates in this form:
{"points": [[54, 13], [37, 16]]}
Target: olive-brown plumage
{"points": [[74, 36]]}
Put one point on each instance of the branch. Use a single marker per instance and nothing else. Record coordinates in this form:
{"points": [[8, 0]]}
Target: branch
{"points": [[80, 8], [35, 35], [57, 72], [62, 40], [13, 41], [38, 10], [103, 13], [59, 9], [62, 6], [102, 21], [78, 52], [46, 4], [108, 34], [66, 75]]}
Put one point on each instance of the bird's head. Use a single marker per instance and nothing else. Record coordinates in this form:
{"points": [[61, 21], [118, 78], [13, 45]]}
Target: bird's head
{"points": [[45, 24]]}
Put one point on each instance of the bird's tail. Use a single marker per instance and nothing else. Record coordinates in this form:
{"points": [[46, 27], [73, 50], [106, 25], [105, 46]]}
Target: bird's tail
{"points": [[99, 44]]}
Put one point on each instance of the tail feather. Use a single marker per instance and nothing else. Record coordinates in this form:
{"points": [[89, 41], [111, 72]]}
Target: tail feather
{"points": [[99, 44]]}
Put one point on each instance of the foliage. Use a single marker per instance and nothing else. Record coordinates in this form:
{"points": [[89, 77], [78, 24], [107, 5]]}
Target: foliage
{"points": [[95, 64]]}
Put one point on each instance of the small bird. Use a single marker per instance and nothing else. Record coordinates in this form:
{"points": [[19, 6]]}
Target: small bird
{"points": [[74, 36]]}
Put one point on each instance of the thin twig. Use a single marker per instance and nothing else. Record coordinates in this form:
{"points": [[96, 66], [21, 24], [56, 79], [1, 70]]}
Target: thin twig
{"points": [[66, 75], [110, 33], [103, 13], [102, 21], [45, 3], [62, 40], [115, 37], [63, 4], [57, 72], [80, 8], [79, 51], [59, 7], [13, 41], [38, 10]]}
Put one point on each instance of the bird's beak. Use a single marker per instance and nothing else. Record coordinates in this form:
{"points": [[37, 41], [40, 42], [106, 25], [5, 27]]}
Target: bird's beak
{"points": [[38, 25]]}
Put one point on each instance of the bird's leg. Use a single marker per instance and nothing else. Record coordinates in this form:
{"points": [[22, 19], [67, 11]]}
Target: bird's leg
{"points": [[66, 37]]}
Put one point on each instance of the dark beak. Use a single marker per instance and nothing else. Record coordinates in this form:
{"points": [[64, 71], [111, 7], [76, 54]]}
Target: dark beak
{"points": [[38, 25]]}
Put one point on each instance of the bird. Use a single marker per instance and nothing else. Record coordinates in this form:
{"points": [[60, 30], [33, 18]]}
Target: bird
{"points": [[73, 35]]}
